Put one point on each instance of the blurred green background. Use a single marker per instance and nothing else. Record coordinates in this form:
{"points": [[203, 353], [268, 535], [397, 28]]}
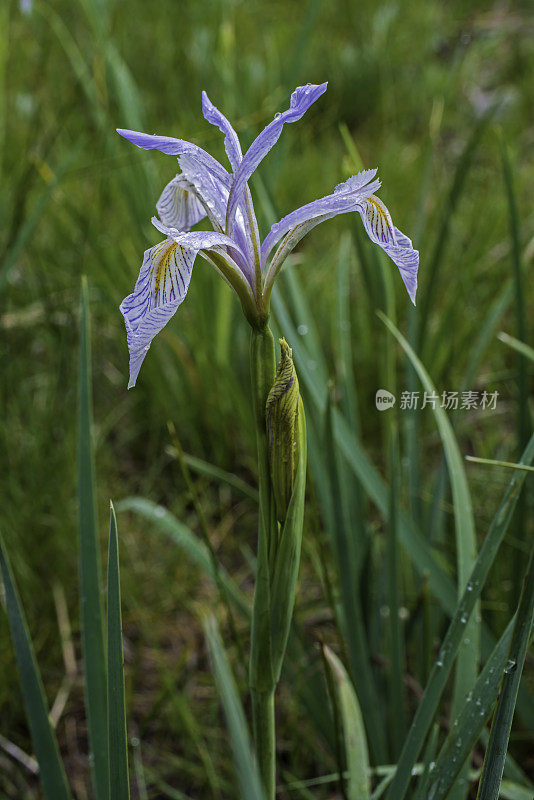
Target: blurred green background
{"points": [[426, 91]]}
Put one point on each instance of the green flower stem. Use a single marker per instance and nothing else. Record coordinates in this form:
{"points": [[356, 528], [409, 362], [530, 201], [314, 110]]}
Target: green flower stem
{"points": [[263, 727], [262, 683]]}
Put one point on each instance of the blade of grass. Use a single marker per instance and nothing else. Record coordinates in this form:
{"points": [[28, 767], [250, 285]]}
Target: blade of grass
{"points": [[247, 773], [507, 464], [516, 344], [354, 731], [354, 629], [397, 701], [94, 660], [222, 476], [468, 727], [51, 770], [456, 633], [421, 792], [492, 771], [524, 425], [119, 785], [194, 549]]}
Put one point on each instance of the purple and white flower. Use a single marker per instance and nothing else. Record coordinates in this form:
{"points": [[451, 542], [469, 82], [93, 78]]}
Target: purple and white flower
{"points": [[205, 189]]}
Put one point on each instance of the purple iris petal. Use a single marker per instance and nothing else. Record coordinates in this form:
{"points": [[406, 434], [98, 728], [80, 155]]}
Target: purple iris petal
{"points": [[197, 240], [160, 288], [301, 99], [397, 245], [176, 147], [231, 142], [178, 207], [345, 197]]}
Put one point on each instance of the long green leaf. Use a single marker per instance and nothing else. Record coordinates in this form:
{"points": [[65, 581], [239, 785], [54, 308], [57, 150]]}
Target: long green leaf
{"points": [[468, 652], [94, 660], [119, 786], [490, 780], [469, 725], [456, 633], [353, 729], [397, 701], [247, 773], [44, 741], [524, 424]]}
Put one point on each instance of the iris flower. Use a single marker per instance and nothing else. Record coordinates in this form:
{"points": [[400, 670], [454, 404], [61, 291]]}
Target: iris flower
{"points": [[204, 188]]}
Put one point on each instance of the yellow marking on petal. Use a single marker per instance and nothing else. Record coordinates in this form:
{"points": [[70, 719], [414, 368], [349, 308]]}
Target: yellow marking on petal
{"points": [[379, 219], [162, 270]]}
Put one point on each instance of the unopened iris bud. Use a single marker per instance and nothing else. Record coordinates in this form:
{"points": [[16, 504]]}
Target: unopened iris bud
{"points": [[282, 411]]}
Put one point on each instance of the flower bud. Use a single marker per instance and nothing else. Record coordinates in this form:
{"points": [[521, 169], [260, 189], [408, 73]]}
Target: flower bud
{"points": [[282, 410]]}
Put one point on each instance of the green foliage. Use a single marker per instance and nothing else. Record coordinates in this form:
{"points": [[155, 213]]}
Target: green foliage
{"points": [[119, 786], [90, 571], [43, 738]]}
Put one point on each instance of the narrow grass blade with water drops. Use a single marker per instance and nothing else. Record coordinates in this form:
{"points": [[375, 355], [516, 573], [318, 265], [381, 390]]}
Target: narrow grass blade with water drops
{"points": [[205, 189]]}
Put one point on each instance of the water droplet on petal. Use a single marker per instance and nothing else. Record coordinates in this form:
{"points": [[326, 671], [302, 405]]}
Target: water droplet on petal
{"points": [[277, 115]]}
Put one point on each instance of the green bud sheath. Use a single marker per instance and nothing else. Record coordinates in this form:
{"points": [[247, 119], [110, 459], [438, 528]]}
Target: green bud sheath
{"points": [[282, 410]]}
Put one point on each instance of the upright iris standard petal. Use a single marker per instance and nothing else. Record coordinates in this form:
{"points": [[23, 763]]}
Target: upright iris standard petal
{"points": [[301, 99], [231, 141], [345, 197], [380, 229], [177, 147], [178, 207], [160, 288]]}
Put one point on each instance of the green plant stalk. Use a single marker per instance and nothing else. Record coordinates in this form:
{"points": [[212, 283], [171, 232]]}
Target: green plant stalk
{"points": [[91, 612], [262, 684]]}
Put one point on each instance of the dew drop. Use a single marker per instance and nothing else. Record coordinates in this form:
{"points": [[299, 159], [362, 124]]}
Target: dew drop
{"points": [[463, 619], [469, 587], [302, 330], [277, 115], [510, 667]]}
